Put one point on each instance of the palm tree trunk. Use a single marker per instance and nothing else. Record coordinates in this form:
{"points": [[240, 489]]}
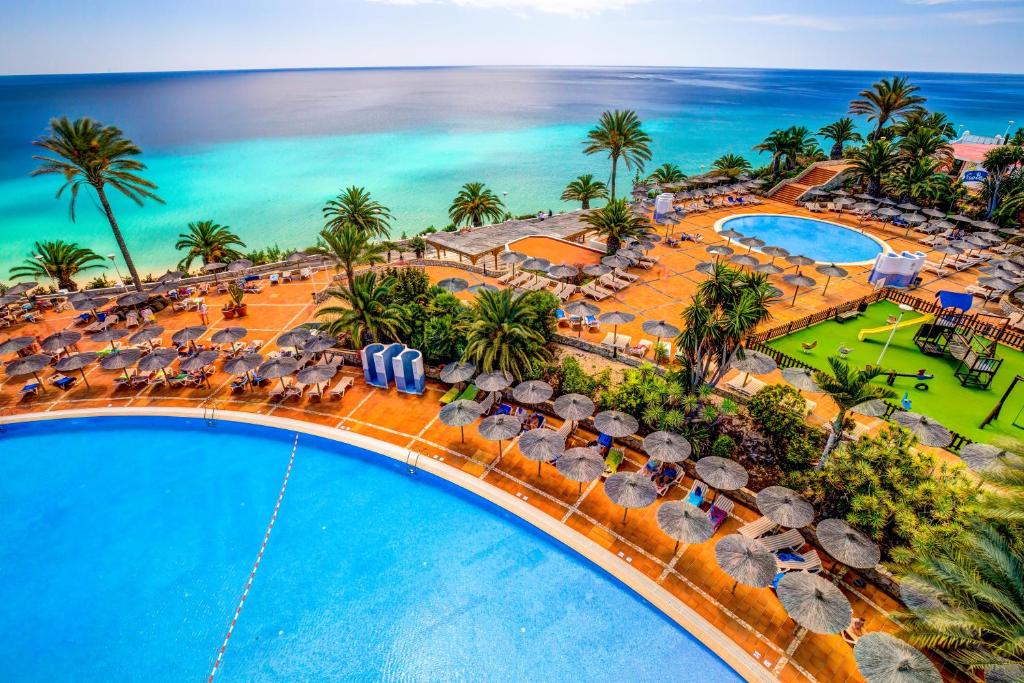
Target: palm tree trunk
{"points": [[585, 204], [119, 238], [350, 276], [615, 166], [837, 151], [994, 201], [833, 438]]}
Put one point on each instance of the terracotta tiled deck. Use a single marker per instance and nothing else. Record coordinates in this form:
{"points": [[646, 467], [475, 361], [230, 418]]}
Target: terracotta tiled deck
{"points": [[751, 617]]}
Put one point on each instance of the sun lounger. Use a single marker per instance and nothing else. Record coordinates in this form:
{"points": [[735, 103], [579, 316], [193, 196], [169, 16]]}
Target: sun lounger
{"points": [[609, 281], [623, 275], [295, 390], [697, 493], [719, 511], [662, 489], [450, 395], [62, 382], [306, 273], [612, 341], [520, 279], [665, 348], [469, 393], [613, 461], [30, 389], [641, 348], [281, 388], [561, 317], [759, 527], [486, 404], [240, 383], [592, 323], [784, 541], [811, 563], [749, 387], [564, 430], [595, 293], [506, 278], [343, 385]]}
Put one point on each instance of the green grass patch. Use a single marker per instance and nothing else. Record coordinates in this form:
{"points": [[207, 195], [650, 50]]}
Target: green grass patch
{"points": [[959, 408]]}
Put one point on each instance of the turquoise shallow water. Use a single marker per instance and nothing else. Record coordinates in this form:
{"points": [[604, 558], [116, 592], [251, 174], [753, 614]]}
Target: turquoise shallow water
{"points": [[125, 544], [262, 151]]}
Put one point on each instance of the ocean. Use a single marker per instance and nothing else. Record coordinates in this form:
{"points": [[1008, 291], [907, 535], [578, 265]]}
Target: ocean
{"points": [[261, 151]]}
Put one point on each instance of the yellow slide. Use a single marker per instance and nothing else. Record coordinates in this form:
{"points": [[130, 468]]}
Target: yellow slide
{"points": [[899, 326]]}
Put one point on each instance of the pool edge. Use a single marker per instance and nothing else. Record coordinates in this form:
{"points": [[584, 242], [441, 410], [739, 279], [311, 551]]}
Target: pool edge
{"points": [[717, 227], [697, 626]]}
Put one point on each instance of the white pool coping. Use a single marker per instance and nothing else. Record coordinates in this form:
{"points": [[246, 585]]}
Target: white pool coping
{"points": [[882, 243], [696, 625]]}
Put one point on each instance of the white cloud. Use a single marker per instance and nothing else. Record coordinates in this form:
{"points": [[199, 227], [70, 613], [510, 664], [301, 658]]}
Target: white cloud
{"points": [[568, 7], [794, 21]]}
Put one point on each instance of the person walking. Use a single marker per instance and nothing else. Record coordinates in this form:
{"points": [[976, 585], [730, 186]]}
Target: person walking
{"points": [[204, 313]]}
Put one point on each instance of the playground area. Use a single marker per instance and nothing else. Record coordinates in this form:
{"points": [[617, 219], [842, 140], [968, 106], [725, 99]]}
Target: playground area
{"points": [[940, 393]]}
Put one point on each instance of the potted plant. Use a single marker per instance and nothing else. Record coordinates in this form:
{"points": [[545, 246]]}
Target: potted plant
{"points": [[235, 308]]}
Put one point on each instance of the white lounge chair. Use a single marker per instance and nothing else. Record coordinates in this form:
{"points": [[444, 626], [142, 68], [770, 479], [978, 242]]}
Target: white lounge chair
{"points": [[788, 540], [759, 527]]}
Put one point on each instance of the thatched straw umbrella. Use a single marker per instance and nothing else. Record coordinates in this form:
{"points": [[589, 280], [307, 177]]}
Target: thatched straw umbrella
{"points": [[541, 445], [630, 490], [453, 285], [146, 335], [15, 344], [616, 318], [493, 381], [882, 658], [798, 280], [459, 414], [983, 457], [110, 334], [814, 602], [752, 363], [77, 362], [746, 560], [830, 270], [684, 523], [29, 365], [667, 446], [928, 431], [616, 424], [58, 341], [278, 368], [785, 507], [722, 473], [457, 371], [499, 428], [846, 544], [659, 328], [580, 464], [801, 379], [533, 391]]}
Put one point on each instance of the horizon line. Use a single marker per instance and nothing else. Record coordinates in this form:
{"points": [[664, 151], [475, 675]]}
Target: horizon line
{"points": [[427, 67]]}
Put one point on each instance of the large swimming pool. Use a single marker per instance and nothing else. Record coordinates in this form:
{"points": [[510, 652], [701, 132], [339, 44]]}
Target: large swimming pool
{"points": [[125, 544], [822, 241]]}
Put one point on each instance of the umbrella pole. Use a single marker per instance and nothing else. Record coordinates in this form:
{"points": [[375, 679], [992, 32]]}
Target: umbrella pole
{"points": [[827, 280], [462, 431], [736, 583], [39, 381], [615, 341], [657, 355], [580, 492], [499, 449], [539, 463], [793, 302], [624, 513], [675, 549], [82, 370], [746, 378]]}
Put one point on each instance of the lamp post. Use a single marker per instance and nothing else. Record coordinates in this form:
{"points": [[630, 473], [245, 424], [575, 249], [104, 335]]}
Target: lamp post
{"points": [[120, 280], [1006, 135], [892, 333], [42, 262]]}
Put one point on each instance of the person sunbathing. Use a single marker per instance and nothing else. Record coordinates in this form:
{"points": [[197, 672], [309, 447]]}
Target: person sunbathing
{"points": [[667, 475]]}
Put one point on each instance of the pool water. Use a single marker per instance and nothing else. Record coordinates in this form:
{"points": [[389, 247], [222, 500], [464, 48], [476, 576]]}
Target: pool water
{"points": [[126, 543], [820, 240]]}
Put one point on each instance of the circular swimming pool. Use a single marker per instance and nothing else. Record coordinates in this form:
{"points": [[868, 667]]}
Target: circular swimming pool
{"points": [[822, 241], [127, 543]]}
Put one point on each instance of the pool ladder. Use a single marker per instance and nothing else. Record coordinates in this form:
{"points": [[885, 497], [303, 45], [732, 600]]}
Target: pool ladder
{"points": [[210, 413], [412, 461]]}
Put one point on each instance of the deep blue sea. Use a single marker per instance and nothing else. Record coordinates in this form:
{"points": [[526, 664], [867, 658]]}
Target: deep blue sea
{"points": [[262, 151]]}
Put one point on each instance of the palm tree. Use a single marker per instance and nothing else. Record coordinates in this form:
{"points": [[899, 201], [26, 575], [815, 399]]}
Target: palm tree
{"points": [[728, 305], [731, 165], [584, 189], [918, 119], [350, 246], [502, 334], [209, 241], [667, 173], [89, 153], [922, 143], [474, 203], [999, 161], [917, 180], [60, 261], [874, 161], [885, 100], [616, 221], [978, 582], [355, 206], [777, 144], [848, 389], [799, 142], [620, 135], [840, 132], [368, 314]]}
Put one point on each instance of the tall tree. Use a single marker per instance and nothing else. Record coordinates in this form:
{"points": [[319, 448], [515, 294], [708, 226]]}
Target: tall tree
{"points": [[999, 161], [584, 190], [847, 389], [475, 203], [355, 206], [918, 119], [615, 222], [86, 153], [208, 241], [727, 306], [776, 144], [926, 143], [367, 314], [886, 100], [620, 135], [840, 132], [667, 173], [731, 165], [60, 260], [917, 180], [873, 162], [351, 246], [504, 335]]}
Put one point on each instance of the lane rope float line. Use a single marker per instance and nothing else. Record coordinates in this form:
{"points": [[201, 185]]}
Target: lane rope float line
{"points": [[256, 564]]}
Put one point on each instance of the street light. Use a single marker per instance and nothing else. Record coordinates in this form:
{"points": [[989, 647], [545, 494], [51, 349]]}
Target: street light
{"points": [[42, 262], [120, 280], [1006, 135], [903, 309]]}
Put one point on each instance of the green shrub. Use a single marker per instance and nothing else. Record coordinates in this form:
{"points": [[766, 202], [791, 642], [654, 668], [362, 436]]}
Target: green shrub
{"points": [[576, 380], [778, 412], [723, 447]]}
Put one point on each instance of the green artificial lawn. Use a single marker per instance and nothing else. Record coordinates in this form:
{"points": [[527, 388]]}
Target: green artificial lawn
{"points": [[958, 408]]}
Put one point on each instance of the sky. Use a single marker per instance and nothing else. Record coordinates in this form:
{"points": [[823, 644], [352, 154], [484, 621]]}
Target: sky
{"points": [[70, 36]]}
